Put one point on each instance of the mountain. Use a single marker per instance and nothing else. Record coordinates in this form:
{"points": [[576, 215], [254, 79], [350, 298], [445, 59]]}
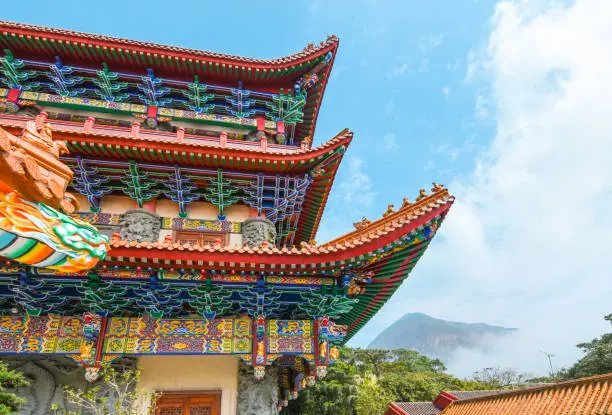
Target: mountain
{"points": [[438, 338]]}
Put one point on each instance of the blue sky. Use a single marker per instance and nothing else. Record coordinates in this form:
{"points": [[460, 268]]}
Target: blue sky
{"points": [[507, 102]]}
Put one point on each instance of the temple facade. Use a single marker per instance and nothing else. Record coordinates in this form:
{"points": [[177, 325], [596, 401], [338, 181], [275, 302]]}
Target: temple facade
{"points": [[167, 202]]}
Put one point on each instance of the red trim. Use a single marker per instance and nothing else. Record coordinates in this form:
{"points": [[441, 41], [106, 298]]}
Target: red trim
{"points": [[444, 399], [100, 341], [169, 51], [393, 409], [151, 252]]}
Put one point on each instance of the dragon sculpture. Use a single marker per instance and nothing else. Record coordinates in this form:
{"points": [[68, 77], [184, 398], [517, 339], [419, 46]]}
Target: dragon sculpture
{"points": [[33, 182]]}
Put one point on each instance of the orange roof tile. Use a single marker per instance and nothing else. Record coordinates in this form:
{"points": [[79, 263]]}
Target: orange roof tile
{"points": [[592, 396], [367, 230]]}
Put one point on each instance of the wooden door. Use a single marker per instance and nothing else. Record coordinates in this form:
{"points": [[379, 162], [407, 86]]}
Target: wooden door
{"points": [[205, 403]]}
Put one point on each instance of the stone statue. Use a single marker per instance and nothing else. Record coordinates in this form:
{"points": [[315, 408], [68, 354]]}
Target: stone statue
{"points": [[257, 397], [257, 230], [139, 225]]}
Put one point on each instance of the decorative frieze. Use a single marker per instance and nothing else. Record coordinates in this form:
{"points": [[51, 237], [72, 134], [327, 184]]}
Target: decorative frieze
{"points": [[111, 221]]}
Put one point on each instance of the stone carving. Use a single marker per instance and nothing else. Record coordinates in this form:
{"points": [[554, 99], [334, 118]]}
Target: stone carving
{"points": [[48, 376], [139, 225], [257, 397], [258, 232]]}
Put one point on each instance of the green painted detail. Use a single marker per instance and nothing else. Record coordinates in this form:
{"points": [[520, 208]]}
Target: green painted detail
{"points": [[221, 192], [13, 76], [138, 186], [198, 97], [77, 236], [109, 89], [318, 304], [287, 107], [103, 296], [211, 301]]}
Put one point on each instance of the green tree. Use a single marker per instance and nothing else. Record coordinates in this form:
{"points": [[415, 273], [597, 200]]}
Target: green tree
{"points": [[372, 397], [124, 397], [597, 359], [10, 379], [372, 360], [425, 386], [365, 381], [336, 395], [500, 378]]}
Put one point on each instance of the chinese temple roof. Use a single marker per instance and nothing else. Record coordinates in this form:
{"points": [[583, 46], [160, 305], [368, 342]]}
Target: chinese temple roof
{"points": [[27, 33], [439, 403], [382, 253], [592, 395], [41, 46], [412, 408], [105, 146]]}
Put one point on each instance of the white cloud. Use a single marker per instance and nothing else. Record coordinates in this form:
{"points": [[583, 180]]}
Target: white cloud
{"points": [[389, 107], [398, 70], [314, 6], [454, 65], [424, 65], [481, 108], [357, 189], [390, 142], [475, 66], [527, 243], [428, 43], [446, 91], [450, 151]]}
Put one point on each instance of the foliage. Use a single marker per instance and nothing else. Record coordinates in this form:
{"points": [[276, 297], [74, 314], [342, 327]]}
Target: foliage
{"points": [[425, 386], [336, 395], [119, 395], [10, 379], [372, 397], [597, 359], [500, 378], [364, 381]]}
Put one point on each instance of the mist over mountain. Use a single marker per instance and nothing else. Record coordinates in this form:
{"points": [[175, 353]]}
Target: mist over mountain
{"points": [[438, 338]]}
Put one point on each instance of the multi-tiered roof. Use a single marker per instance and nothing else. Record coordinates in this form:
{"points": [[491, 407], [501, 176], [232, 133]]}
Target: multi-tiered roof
{"points": [[151, 121]]}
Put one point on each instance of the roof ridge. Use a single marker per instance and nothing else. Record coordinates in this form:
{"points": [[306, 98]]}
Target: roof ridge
{"points": [[390, 217], [170, 138], [567, 383], [309, 50]]}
